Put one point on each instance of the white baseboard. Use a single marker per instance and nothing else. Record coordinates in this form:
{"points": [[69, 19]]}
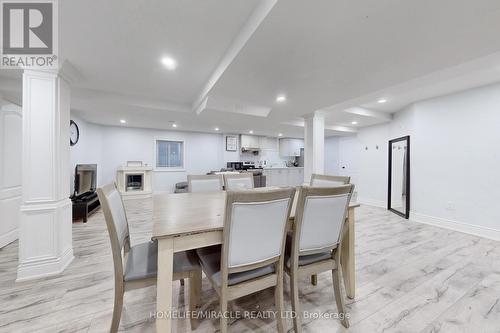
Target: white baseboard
{"points": [[475, 230], [371, 202], [43, 268], [466, 228], [8, 238]]}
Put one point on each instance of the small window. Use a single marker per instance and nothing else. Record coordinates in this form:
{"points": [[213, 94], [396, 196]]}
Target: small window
{"points": [[169, 154]]}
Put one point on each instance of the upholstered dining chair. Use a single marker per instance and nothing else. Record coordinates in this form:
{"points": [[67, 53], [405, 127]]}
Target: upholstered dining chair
{"points": [[137, 268], [205, 183], [249, 259], [328, 181], [242, 181], [315, 243]]}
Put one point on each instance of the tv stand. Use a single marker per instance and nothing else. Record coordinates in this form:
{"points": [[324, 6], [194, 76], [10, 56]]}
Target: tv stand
{"points": [[84, 205]]}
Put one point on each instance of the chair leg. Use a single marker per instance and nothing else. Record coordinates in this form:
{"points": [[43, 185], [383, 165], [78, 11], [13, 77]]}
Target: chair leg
{"points": [[223, 313], [194, 296], [117, 308], [294, 290], [280, 308], [314, 280], [338, 297]]}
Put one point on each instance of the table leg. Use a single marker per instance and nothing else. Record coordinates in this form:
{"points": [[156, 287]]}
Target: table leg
{"points": [[347, 258], [164, 285]]}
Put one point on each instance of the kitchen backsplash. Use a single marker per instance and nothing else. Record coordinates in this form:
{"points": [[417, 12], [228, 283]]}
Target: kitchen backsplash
{"points": [[273, 158]]}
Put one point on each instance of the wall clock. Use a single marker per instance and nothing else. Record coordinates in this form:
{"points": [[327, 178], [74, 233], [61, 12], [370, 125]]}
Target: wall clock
{"points": [[74, 133]]}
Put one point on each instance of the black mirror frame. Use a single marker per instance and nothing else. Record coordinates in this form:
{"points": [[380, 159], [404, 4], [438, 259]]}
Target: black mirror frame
{"points": [[406, 214]]}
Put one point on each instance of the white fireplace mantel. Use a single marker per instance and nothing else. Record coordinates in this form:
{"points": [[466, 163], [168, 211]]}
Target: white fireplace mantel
{"points": [[122, 174]]}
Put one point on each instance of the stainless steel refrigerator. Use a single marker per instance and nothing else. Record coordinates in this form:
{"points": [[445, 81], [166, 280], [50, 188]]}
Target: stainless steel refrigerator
{"points": [[301, 158]]}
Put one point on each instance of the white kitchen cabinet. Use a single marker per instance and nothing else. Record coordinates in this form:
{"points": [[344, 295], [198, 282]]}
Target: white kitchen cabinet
{"points": [[280, 177], [284, 176], [249, 141], [295, 176], [268, 143], [290, 147], [268, 173]]}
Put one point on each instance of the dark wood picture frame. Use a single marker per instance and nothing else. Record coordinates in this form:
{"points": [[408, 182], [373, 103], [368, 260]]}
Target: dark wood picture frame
{"points": [[406, 213], [231, 143]]}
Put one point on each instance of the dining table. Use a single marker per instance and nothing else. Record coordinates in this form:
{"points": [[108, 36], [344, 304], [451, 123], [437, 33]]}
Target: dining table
{"points": [[186, 221]]}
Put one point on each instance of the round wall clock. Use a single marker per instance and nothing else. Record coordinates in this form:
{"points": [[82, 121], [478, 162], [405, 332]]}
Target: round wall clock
{"points": [[74, 133]]}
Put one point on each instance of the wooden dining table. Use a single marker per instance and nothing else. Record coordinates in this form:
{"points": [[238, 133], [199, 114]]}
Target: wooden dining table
{"points": [[186, 221]]}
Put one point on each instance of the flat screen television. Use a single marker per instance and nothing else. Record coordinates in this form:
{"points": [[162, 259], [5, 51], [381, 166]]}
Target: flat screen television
{"points": [[85, 179]]}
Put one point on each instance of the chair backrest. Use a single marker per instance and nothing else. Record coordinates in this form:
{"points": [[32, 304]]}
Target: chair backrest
{"points": [[320, 217], [205, 183], [254, 228], [238, 182], [328, 181], [116, 222]]}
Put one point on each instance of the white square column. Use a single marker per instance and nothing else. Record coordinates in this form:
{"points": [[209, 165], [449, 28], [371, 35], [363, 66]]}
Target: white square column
{"points": [[314, 145], [45, 232]]}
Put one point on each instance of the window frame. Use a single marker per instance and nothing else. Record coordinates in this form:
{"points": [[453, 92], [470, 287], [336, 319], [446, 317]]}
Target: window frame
{"points": [[169, 169]]}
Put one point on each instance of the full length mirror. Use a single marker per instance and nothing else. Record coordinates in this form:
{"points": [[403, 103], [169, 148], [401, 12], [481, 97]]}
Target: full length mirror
{"points": [[398, 200]]}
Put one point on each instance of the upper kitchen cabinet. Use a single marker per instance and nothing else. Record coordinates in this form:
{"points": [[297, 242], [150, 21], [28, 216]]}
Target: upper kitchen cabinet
{"points": [[249, 141], [268, 143], [291, 147]]}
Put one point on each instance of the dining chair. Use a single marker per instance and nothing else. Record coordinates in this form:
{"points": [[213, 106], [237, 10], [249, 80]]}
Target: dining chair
{"points": [[205, 183], [314, 246], [318, 180], [328, 181], [241, 181], [251, 256], [137, 267]]}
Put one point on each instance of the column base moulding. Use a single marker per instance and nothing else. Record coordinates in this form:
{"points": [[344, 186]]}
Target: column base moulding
{"points": [[45, 231]]}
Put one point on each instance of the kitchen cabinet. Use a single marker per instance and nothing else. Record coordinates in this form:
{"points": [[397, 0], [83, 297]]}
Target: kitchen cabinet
{"points": [[280, 177], [284, 176], [295, 176], [290, 147], [249, 141], [268, 143]]}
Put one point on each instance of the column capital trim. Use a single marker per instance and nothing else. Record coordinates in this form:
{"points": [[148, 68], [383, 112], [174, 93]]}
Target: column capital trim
{"points": [[315, 114], [66, 71]]}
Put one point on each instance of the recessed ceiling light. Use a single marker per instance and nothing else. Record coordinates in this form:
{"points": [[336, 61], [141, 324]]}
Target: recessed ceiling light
{"points": [[281, 98], [174, 125], [123, 121], [382, 101], [216, 128], [354, 122], [251, 132], [280, 134], [169, 63]]}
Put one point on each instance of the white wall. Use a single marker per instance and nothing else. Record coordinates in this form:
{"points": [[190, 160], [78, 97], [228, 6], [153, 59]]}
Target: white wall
{"points": [[371, 170], [455, 160], [111, 147], [120, 144], [332, 161], [230, 156], [88, 150], [10, 171]]}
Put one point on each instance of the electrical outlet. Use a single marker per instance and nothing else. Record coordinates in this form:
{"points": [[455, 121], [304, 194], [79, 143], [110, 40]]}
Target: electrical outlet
{"points": [[450, 205]]}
